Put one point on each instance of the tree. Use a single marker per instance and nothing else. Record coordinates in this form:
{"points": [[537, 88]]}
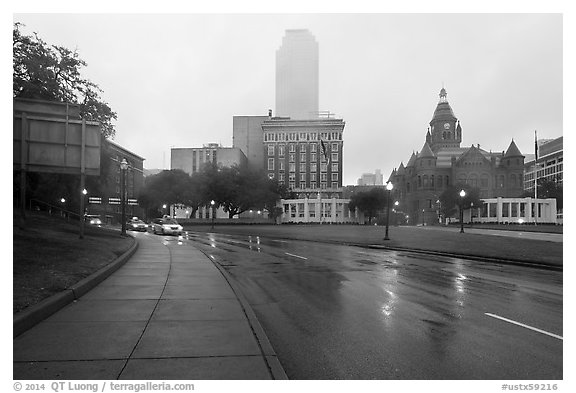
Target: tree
{"points": [[450, 199], [548, 189], [51, 72], [369, 202], [167, 187]]}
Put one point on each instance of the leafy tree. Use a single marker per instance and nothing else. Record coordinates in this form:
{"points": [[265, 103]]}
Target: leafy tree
{"points": [[51, 72], [167, 187], [450, 199], [369, 202], [548, 189]]}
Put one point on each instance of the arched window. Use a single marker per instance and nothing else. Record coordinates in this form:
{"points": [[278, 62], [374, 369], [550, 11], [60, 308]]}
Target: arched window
{"points": [[425, 181], [419, 181], [444, 135], [473, 181], [512, 180], [432, 181]]}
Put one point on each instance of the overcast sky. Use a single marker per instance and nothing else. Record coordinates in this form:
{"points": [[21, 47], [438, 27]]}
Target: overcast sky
{"points": [[177, 80]]}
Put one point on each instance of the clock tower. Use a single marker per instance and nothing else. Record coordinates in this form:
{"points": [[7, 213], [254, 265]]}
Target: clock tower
{"points": [[445, 130]]}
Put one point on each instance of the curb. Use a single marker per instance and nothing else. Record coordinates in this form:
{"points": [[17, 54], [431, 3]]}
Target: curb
{"points": [[268, 352], [480, 258], [32, 315]]}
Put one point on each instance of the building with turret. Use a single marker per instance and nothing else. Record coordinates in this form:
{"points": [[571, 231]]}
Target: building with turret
{"points": [[442, 162]]}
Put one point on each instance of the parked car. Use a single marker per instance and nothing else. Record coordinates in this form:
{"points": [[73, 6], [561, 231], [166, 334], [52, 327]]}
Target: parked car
{"points": [[136, 225], [93, 220], [166, 226]]}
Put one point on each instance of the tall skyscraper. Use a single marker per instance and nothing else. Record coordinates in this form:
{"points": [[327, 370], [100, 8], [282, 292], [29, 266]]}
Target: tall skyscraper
{"points": [[297, 76]]}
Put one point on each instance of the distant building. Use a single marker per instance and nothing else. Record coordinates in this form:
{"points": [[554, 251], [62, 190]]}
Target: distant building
{"points": [[192, 159], [305, 155], [550, 163], [371, 179], [247, 136], [442, 163], [297, 70]]}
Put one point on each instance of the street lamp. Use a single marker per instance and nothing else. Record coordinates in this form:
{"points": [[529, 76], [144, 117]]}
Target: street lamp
{"points": [[462, 195], [212, 203], [123, 168], [389, 187], [82, 212], [471, 213]]}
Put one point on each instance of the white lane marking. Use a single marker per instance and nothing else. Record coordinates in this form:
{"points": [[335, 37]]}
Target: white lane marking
{"points": [[297, 256], [525, 326]]}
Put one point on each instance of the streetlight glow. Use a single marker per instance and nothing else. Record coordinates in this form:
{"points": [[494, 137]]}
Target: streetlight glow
{"points": [[389, 187], [462, 195]]}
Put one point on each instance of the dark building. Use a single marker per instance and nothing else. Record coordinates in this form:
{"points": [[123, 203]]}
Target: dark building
{"points": [[106, 202], [442, 163]]}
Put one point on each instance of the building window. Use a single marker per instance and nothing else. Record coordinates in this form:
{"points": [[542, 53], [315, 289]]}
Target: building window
{"points": [[291, 157], [281, 150], [313, 157], [302, 157], [323, 177], [292, 177], [313, 176], [334, 147], [292, 167], [432, 181], [334, 177], [303, 147], [334, 156], [313, 147], [419, 182], [270, 164], [334, 184], [292, 148], [270, 150], [323, 167], [291, 185], [281, 177], [302, 184], [281, 165], [335, 167], [323, 185], [312, 184]]}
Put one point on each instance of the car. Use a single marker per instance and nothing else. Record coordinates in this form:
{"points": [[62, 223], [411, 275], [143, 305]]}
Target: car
{"points": [[93, 220], [136, 225], [166, 226]]}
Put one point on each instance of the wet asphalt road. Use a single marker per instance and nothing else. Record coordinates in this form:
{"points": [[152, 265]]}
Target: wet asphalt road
{"points": [[339, 312]]}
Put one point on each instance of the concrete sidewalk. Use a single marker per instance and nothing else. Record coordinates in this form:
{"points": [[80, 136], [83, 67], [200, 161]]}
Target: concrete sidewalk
{"points": [[169, 313]]}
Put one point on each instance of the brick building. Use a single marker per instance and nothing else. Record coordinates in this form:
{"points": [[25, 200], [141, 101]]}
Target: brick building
{"points": [[442, 162]]}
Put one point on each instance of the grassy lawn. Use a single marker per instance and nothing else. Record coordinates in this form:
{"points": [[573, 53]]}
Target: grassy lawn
{"points": [[49, 256], [439, 239]]}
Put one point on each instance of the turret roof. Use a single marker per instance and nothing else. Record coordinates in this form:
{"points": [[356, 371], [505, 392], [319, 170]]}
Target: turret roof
{"points": [[513, 150]]}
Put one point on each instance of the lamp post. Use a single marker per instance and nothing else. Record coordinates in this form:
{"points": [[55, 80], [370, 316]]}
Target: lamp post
{"points": [[82, 212], [462, 195], [389, 187], [212, 203], [471, 213], [123, 168]]}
